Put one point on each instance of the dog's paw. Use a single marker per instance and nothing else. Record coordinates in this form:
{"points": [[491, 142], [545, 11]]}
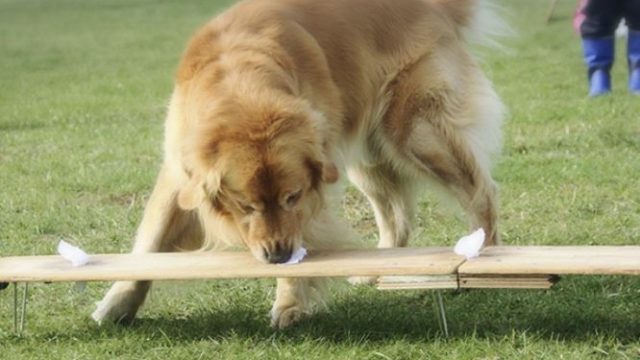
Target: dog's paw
{"points": [[363, 280], [120, 312], [120, 304], [282, 317], [109, 312]]}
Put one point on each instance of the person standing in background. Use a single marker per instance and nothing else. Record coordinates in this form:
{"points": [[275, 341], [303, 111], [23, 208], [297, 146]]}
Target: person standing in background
{"points": [[597, 21]]}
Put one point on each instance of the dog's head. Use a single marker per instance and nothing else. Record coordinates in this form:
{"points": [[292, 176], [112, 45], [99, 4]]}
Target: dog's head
{"points": [[263, 171]]}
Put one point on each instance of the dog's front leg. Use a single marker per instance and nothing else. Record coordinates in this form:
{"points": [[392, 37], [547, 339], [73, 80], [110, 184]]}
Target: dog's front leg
{"points": [[294, 300], [163, 225], [121, 302]]}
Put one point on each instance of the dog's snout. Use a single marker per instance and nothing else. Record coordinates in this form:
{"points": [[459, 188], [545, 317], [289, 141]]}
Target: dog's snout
{"points": [[278, 254]]}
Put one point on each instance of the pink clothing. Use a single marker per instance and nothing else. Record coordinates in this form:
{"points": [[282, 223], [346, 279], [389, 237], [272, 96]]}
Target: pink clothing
{"points": [[579, 16]]}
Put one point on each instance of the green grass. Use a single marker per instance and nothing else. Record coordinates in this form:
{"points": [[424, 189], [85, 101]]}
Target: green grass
{"points": [[83, 90]]}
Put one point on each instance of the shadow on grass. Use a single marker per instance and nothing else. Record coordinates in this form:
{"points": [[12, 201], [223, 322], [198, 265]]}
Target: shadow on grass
{"points": [[22, 125], [579, 309], [559, 18]]}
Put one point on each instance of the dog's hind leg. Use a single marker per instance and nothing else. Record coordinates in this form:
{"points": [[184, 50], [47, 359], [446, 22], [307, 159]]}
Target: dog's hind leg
{"points": [[473, 187], [164, 227], [442, 151], [444, 120]]}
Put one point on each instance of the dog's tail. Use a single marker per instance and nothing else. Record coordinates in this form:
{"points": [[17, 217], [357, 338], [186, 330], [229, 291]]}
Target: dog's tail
{"points": [[480, 21]]}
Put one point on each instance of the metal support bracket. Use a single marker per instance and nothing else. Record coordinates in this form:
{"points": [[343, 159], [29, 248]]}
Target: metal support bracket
{"points": [[441, 313], [20, 312]]}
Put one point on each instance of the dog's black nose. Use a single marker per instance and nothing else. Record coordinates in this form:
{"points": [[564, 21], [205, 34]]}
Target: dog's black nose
{"points": [[278, 255]]}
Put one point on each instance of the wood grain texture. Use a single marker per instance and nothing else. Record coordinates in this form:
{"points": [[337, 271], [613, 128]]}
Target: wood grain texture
{"points": [[482, 281], [561, 260], [499, 267], [221, 265], [416, 282]]}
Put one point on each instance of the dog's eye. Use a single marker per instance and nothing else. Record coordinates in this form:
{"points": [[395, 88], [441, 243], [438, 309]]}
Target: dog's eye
{"points": [[292, 199]]}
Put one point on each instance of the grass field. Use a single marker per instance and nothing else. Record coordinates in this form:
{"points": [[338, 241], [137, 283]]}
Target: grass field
{"points": [[83, 90]]}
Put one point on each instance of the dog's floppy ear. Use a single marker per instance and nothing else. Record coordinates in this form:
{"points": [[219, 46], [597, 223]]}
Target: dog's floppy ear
{"points": [[329, 173], [326, 172], [321, 168], [196, 190], [192, 194]]}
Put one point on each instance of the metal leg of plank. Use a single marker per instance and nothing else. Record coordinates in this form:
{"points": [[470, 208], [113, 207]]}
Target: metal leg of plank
{"points": [[440, 313], [20, 315], [15, 307], [552, 9], [23, 312]]}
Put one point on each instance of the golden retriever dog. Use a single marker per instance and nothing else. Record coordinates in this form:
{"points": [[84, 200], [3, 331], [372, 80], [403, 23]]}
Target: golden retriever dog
{"points": [[276, 100]]}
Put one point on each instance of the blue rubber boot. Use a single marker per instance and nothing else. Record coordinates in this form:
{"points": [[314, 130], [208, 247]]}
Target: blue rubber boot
{"points": [[633, 56], [598, 55], [599, 83]]}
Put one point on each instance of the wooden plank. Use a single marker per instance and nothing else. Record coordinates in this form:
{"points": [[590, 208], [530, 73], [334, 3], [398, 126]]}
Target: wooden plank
{"points": [[418, 282], [497, 267], [491, 281], [221, 265], [560, 260]]}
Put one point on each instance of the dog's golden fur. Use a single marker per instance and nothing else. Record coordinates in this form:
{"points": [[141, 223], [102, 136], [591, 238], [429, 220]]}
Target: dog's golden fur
{"points": [[275, 100]]}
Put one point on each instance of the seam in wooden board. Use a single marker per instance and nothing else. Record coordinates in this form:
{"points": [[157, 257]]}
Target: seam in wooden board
{"points": [[457, 271]]}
